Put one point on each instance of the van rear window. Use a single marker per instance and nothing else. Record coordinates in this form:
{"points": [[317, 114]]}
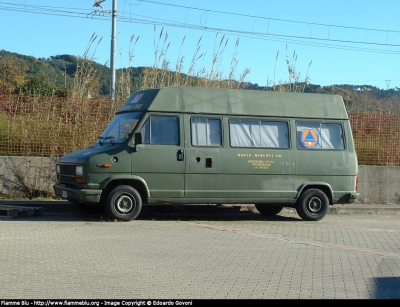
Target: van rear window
{"points": [[312, 135]]}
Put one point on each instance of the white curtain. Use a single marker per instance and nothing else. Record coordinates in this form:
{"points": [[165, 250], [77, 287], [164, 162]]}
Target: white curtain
{"points": [[206, 131], [255, 133]]}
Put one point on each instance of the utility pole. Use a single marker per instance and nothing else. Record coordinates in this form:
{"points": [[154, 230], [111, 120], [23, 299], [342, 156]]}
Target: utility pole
{"points": [[112, 56], [97, 3]]}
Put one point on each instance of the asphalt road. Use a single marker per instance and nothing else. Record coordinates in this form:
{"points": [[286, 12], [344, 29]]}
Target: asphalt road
{"points": [[64, 254]]}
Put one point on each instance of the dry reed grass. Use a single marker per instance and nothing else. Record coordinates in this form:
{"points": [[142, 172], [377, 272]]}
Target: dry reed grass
{"points": [[51, 126]]}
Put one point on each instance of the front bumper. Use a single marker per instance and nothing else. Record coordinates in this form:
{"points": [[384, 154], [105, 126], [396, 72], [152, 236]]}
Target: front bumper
{"points": [[78, 195]]}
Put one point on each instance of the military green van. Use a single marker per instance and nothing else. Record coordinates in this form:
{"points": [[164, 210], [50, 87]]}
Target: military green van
{"points": [[193, 145]]}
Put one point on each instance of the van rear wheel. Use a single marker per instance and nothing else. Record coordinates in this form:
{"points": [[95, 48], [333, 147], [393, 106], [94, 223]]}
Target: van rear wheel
{"points": [[123, 203], [312, 205], [269, 209]]}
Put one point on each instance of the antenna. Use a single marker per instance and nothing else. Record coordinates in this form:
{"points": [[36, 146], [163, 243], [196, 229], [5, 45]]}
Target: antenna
{"points": [[97, 3]]}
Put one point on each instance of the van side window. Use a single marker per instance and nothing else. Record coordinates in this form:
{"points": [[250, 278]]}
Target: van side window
{"points": [[161, 130], [258, 133], [206, 131], [311, 135]]}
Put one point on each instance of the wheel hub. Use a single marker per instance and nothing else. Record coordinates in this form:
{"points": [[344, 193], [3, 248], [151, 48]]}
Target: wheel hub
{"points": [[314, 204], [124, 204]]}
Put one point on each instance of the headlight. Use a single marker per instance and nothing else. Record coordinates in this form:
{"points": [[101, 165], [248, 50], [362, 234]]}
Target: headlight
{"points": [[78, 171], [58, 169]]}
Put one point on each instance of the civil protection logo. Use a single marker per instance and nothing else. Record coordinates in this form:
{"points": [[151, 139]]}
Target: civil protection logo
{"points": [[309, 138]]}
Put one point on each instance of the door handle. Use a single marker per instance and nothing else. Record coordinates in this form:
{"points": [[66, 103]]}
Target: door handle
{"points": [[181, 155]]}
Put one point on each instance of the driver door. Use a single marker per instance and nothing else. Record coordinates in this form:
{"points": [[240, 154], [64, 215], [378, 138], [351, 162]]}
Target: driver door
{"points": [[160, 159]]}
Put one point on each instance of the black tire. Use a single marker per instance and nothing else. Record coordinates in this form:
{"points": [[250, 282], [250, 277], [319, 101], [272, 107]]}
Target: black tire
{"points": [[312, 205], [268, 209], [123, 203]]}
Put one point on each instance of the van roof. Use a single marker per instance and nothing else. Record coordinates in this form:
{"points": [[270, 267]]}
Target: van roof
{"points": [[241, 102]]}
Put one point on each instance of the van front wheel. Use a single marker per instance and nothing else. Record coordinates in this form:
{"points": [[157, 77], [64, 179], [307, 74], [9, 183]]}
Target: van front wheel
{"points": [[123, 203], [312, 205]]}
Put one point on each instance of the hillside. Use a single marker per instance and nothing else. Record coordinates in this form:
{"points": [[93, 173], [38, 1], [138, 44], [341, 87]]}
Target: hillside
{"points": [[21, 74]]}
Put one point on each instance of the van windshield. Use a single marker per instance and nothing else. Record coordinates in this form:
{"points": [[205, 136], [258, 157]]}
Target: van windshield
{"points": [[120, 128]]}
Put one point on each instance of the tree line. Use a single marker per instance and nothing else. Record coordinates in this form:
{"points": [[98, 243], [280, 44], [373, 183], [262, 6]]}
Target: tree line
{"points": [[72, 76]]}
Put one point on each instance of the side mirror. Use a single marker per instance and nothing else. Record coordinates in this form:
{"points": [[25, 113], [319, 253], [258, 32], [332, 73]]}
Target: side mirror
{"points": [[138, 139]]}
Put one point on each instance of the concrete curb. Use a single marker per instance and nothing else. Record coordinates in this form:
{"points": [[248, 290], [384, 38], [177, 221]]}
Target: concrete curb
{"points": [[359, 209], [48, 206]]}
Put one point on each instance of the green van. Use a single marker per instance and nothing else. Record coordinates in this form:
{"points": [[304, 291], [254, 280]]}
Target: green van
{"points": [[195, 145]]}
